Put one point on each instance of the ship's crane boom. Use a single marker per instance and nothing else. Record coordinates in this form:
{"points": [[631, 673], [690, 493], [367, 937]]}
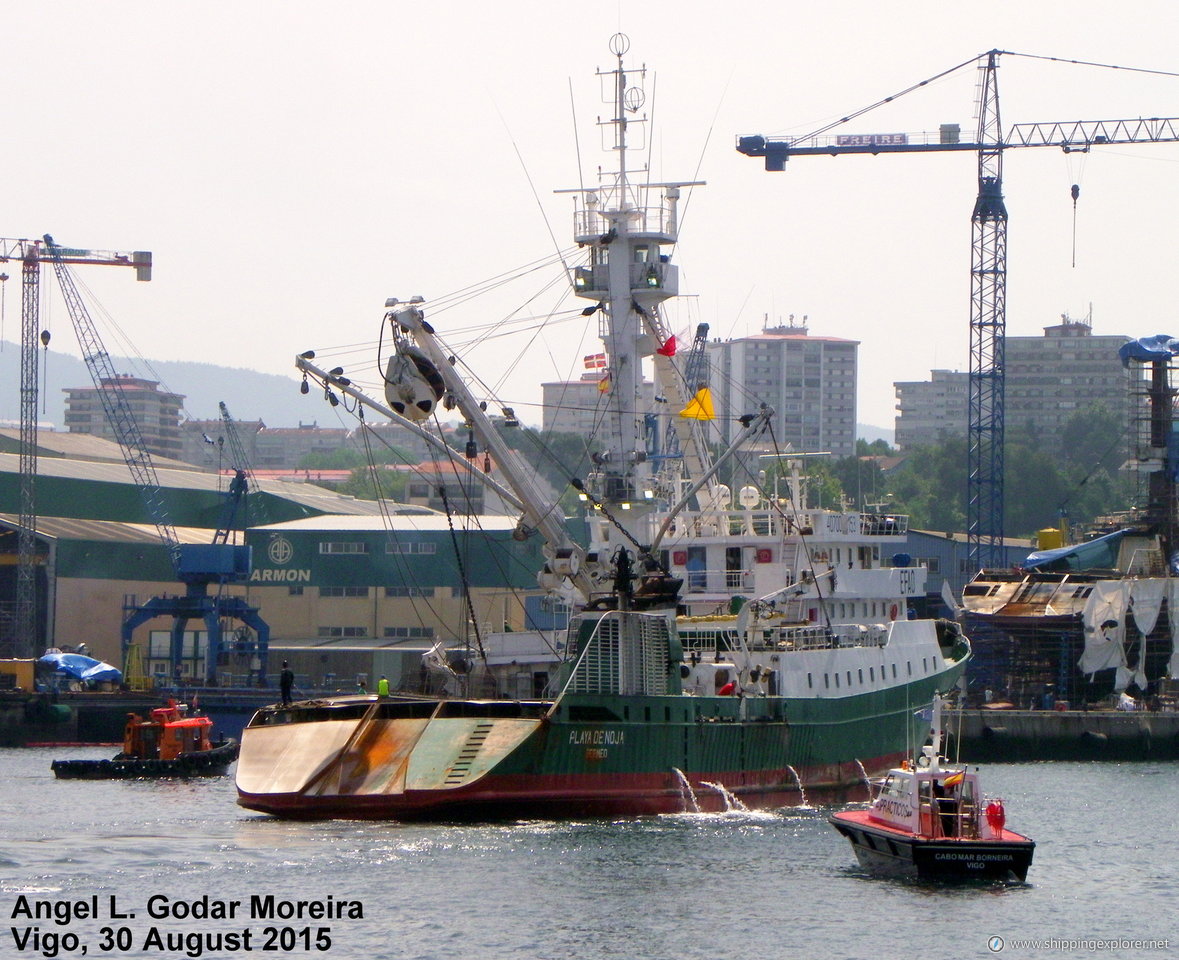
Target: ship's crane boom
{"points": [[985, 427]]}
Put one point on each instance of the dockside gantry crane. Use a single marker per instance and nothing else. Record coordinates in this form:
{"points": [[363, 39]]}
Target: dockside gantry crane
{"points": [[988, 254], [19, 633]]}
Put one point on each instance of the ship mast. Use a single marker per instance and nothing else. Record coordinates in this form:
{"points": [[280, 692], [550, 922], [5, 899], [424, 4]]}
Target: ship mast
{"points": [[625, 225]]}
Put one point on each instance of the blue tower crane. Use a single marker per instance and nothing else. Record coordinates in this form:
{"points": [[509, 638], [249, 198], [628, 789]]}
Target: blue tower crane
{"points": [[988, 316]]}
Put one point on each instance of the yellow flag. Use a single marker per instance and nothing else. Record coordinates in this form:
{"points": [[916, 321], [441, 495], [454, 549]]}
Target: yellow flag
{"points": [[700, 406], [955, 778]]}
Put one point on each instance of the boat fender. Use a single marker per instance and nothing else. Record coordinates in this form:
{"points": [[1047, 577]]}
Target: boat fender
{"points": [[996, 815]]}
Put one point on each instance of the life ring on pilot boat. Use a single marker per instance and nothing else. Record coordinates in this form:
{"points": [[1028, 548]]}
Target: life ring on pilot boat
{"points": [[893, 611], [413, 385], [996, 815]]}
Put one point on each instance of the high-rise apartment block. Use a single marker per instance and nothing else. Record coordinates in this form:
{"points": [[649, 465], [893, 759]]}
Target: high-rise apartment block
{"points": [[809, 381], [1048, 379], [157, 413]]}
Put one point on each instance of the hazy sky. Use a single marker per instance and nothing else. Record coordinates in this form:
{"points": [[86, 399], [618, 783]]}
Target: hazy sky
{"points": [[292, 164]]}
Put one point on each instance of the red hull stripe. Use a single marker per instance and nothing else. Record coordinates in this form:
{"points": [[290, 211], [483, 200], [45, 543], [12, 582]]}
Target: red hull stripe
{"points": [[586, 795]]}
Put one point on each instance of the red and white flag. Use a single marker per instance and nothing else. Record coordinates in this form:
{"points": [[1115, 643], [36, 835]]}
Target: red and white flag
{"points": [[595, 361]]}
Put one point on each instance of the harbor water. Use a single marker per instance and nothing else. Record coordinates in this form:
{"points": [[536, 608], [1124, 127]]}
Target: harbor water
{"points": [[202, 877]]}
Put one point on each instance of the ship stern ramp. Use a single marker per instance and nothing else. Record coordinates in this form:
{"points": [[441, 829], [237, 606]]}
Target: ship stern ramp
{"points": [[373, 756]]}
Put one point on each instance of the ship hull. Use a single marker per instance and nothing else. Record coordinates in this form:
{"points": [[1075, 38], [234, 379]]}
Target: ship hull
{"points": [[540, 797], [891, 852], [592, 756]]}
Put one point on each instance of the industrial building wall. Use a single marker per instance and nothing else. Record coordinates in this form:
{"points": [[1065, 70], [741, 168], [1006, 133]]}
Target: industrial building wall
{"points": [[90, 610], [374, 615]]}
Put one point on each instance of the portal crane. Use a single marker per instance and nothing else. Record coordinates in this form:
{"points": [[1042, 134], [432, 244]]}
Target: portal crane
{"points": [[988, 257], [240, 463], [18, 637], [197, 566]]}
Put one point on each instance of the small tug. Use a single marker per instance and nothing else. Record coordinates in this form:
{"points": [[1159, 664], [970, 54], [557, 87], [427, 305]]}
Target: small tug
{"points": [[168, 744], [930, 820]]}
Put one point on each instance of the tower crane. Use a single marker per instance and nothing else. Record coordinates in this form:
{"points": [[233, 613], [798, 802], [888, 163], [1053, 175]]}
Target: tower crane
{"points": [[18, 637], [988, 255], [197, 566]]}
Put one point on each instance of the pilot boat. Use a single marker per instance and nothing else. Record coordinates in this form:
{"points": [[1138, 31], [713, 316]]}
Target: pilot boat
{"points": [[930, 820]]}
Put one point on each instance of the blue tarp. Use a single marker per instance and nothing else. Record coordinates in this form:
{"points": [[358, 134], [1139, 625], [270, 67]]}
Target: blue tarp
{"points": [[1098, 554], [82, 668], [1161, 346]]}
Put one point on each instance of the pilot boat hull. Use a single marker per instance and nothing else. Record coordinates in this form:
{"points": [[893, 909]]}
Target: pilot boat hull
{"points": [[896, 853]]}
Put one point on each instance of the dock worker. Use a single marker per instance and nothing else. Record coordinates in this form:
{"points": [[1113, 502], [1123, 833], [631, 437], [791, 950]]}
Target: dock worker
{"points": [[383, 687], [286, 680]]}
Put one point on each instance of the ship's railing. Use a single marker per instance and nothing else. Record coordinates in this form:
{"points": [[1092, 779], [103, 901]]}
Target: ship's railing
{"points": [[951, 818], [777, 522], [692, 524], [656, 218], [708, 640], [705, 581]]}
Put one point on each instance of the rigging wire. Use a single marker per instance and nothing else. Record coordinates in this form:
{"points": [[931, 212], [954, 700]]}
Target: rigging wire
{"points": [[495, 556], [463, 579], [1090, 63], [886, 100]]}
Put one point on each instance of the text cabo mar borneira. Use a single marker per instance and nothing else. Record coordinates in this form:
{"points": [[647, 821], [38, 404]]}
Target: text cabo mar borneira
{"points": [[202, 939]]}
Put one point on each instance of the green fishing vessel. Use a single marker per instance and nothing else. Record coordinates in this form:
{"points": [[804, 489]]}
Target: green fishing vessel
{"points": [[804, 688]]}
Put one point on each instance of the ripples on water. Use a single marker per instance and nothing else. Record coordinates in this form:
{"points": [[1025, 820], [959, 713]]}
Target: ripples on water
{"points": [[739, 885]]}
